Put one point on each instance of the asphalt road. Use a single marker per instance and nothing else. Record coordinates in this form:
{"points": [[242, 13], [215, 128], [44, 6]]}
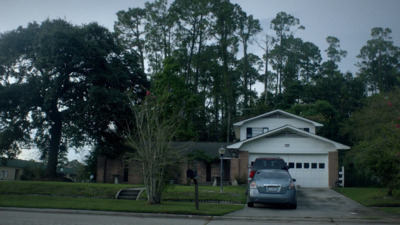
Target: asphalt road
{"points": [[315, 206]]}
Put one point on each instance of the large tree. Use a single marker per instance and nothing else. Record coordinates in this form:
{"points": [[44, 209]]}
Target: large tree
{"points": [[72, 83]]}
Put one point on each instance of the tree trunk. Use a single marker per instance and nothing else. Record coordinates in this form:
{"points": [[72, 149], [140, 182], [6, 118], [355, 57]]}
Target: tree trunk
{"points": [[266, 71], [55, 139]]}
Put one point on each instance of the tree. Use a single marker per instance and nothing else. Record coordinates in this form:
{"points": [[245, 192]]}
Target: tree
{"points": [[192, 32], [376, 131], [151, 142], [335, 55], [159, 27], [224, 29], [267, 48], [248, 27], [130, 29], [283, 24], [177, 96], [379, 65], [74, 82]]}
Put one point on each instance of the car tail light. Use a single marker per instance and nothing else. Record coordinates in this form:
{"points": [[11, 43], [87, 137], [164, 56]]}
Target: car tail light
{"points": [[252, 173], [291, 186], [253, 185]]}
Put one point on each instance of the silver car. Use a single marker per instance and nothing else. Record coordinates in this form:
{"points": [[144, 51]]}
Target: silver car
{"points": [[272, 186]]}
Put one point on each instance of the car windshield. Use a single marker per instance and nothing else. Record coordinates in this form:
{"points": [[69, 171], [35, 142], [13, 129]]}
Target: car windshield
{"points": [[268, 164], [272, 175]]}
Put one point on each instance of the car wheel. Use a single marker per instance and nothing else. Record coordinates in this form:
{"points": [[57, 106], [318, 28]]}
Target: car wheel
{"points": [[293, 206], [250, 204]]}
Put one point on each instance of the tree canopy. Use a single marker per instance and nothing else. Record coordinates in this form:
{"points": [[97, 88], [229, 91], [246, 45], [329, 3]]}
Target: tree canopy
{"points": [[65, 86], [375, 130]]}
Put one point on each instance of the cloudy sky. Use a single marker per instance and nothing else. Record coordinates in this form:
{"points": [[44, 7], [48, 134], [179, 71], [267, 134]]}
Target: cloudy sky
{"points": [[349, 20]]}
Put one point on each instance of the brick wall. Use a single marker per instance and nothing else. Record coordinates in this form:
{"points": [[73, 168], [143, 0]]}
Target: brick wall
{"points": [[333, 168], [243, 165], [135, 173], [235, 168]]}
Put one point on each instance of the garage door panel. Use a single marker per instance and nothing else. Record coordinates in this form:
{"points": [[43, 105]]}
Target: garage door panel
{"points": [[308, 170]]}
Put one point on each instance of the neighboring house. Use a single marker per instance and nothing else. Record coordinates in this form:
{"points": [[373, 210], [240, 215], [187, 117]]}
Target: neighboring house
{"points": [[312, 159], [13, 169]]}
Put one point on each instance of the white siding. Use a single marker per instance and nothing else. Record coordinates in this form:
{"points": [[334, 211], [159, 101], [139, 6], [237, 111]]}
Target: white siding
{"points": [[288, 145], [273, 123]]}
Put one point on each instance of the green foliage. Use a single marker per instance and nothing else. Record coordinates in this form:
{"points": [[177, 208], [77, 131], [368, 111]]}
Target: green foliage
{"points": [[375, 130], [323, 112], [379, 65], [70, 87], [33, 172]]}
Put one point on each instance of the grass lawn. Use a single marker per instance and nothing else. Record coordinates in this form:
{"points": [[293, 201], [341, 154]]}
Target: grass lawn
{"points": [[231, 193], [20, 188], [374, 197], [61, 188], [117, 205]]}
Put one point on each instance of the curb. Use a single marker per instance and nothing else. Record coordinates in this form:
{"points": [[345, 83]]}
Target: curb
{"points": [[208, 218]]}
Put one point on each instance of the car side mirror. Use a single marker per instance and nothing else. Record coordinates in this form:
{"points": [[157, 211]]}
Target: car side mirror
{"points": [[294, 180]]}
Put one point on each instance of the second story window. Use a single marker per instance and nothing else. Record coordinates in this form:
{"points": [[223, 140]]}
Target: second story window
{"points": [[255, 131], [249, 132]]}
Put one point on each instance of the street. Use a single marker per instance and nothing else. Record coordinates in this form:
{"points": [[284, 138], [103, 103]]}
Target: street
{"points": [[315, 206]]}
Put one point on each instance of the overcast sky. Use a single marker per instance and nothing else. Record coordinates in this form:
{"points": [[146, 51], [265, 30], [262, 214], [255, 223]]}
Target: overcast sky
{"points": [[349, 20]]}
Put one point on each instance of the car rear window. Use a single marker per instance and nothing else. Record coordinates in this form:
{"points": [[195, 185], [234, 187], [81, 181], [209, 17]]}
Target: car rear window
{"points": [[272, 175], [268, 164]]}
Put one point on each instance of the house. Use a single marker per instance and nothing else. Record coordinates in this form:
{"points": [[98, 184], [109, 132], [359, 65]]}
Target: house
{"points": [[15, 169], [312, 159], [201, 157]]}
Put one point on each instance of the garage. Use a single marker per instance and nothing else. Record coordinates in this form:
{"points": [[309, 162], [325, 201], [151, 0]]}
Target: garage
{"points": [[308, 170], [312, 159]]}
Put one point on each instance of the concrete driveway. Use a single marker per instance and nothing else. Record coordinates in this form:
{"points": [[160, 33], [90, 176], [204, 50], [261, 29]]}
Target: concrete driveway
{"points": [[318, 203]]}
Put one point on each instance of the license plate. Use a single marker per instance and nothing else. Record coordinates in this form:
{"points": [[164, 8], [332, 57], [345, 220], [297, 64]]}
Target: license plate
{"points": [[274, 189]]}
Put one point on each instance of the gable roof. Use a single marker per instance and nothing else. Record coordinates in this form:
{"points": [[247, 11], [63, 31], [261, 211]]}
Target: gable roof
{"points": [[18, 163], [278, 111], [291, 129], [210, 148]]}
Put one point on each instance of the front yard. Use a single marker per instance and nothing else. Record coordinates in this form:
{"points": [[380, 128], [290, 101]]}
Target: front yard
{"points": [[176, 199], [89, 196], [374, 197]]}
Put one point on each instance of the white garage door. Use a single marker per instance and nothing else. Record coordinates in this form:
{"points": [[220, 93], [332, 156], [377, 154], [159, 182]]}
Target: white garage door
{"points": [[308, 170]]}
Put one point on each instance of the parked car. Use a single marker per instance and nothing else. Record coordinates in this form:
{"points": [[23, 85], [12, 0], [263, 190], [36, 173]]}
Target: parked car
{"points": [[267, 163], [272, 186]]}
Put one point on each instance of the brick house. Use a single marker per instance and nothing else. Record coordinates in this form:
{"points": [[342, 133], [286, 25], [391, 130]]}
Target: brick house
{"points": [[312, 159], [116, 170]]}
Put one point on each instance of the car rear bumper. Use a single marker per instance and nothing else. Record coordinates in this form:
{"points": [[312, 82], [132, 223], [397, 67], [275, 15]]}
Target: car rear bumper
{"points": [[276, 198]]}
